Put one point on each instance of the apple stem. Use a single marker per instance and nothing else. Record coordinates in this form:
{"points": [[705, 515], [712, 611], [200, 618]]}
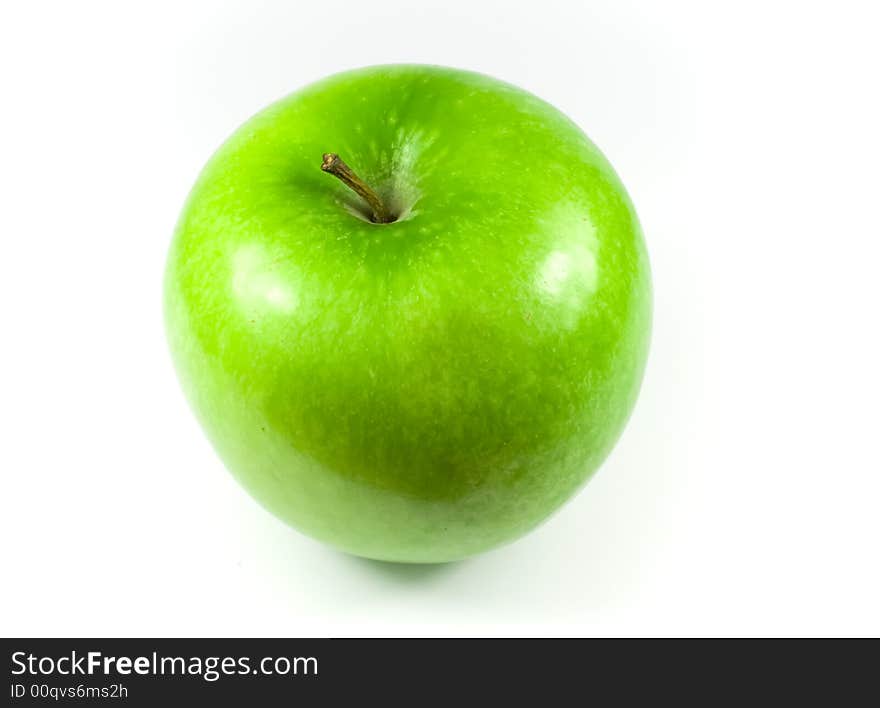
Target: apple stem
{"points": [[336, 166]]}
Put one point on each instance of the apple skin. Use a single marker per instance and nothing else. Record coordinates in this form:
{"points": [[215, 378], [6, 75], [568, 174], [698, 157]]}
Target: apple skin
{"points": [[423, 390]]}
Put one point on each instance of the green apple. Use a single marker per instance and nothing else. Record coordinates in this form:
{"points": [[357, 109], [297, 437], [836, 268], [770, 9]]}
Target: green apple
{"points": [[426, 357]]}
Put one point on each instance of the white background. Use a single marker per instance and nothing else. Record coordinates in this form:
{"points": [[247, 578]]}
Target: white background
{"points": [[744, 497]]}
